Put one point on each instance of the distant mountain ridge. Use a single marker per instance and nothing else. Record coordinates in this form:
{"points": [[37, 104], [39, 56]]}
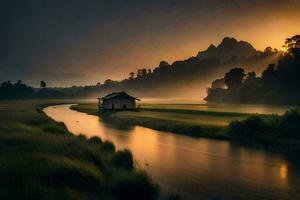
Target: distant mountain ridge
{"points": [[229, 49], [186, 78], [182, 79]]}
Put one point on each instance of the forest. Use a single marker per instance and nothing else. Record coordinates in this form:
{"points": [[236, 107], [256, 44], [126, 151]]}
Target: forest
{"points": [[187, 78], [278, 84]]}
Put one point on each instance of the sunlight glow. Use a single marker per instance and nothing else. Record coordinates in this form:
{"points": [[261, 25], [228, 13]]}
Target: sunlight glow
{"points": [[284, 49], [283, 171]]}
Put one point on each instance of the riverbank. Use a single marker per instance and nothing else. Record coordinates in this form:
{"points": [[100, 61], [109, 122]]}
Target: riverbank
{"points": [[193, 123], [40, 159], [236, 127], [197, 168]]}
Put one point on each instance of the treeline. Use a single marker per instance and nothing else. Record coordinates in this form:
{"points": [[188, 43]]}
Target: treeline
{"points": [[158, 82], [166, 80], [19, 90], [176, 79], [278, 84]]}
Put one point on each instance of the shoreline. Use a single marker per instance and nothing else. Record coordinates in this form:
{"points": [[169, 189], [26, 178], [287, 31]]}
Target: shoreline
{"points": [[123, 118], [175, 127]]}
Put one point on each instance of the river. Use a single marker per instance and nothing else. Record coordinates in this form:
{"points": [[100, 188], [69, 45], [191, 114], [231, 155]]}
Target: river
{"points": [[194, 168]]}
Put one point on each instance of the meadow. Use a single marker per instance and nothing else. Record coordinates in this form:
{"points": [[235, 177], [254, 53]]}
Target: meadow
{"points": [[171, 118], [274, 131], [40, 159]]}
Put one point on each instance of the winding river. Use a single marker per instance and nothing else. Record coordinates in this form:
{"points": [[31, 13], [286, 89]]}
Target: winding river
{"points": [[194, 168]]}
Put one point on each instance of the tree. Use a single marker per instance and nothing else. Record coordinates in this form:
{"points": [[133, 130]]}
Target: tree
{"points": [[43, 84], [234, 78], [144, 72], [269, 76], [292, 43], [279, 83], [108, 82], [218, 83], [251, 76], [139, 73], [131, 75], [19, 82], [164, 64], [268, 51]]}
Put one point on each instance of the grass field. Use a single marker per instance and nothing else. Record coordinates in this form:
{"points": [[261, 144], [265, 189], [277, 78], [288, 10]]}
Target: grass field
{"points": [[40, 159], [191, 122], [276, 132]]}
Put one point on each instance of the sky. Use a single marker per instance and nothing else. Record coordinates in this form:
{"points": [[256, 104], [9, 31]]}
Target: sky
{"points": [[82, 42]]}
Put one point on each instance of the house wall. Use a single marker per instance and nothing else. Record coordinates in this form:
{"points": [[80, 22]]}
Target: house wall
{"points": [[119, 103]]}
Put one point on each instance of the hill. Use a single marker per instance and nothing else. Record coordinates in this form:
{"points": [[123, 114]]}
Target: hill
{"points": [[186, 78]]}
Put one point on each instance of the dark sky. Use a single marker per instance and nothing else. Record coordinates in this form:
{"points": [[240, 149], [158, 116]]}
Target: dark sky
{"points": [[75, 42]]}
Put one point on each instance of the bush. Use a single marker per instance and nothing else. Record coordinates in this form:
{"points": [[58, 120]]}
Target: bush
{"points": [[95, 140], [108, 146], [134, 186], [123, 159], [280, 130], [290, 125], [249, 128], [54, 129]]}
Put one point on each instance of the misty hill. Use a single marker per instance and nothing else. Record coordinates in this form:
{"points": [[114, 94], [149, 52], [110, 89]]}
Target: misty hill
{"points": [[187, 78], [278, 84], [184, 79], [228, 50]]}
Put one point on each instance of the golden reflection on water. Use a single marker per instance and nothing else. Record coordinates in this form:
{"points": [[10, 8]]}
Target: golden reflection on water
{"points": [[194, 167], [283, 171]]}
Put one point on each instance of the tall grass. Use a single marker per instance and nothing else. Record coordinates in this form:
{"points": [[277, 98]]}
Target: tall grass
{"points": [[40, 159], [281, 132]]}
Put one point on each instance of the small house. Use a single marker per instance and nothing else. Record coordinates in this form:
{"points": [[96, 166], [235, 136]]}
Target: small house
{"points": [[118, 101]]}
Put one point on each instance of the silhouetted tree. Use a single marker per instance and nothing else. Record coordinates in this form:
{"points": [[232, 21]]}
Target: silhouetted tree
{"points": [[218, 83], [19, 82], [43, 84], [163, 64], [139, 73], [269, 76], [252, 89], [131, 75], [144, 72], [292, 43], [108, 81], [268, 51], [234, 78], [16, 91], [279, 83]]}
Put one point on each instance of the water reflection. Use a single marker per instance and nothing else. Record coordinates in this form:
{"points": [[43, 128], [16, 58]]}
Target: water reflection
{"points": [[196, 168], [283, 171]]}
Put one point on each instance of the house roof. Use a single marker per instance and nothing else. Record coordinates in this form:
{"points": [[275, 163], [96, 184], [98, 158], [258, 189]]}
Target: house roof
{"points": [[118, 94]]}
